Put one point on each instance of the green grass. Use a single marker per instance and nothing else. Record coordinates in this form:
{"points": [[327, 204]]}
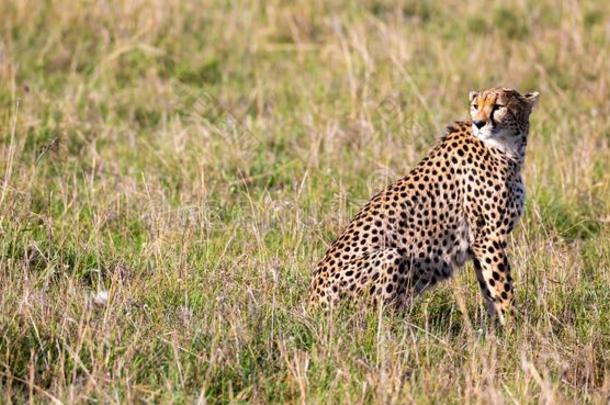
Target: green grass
{"points": [[195, 159]]}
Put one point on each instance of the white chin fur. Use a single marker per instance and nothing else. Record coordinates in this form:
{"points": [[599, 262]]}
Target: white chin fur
{"points": [[498, 140], [483, 134]]}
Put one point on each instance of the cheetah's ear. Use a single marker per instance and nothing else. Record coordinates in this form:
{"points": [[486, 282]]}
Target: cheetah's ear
{"points": [[472, 95], [531, 98]]}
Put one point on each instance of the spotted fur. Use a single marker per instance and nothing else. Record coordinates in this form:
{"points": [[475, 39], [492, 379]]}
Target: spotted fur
{"points": [[458, 204]]}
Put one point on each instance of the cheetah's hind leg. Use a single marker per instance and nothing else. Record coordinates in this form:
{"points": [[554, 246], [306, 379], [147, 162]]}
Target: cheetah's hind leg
{"points": [[381, 276]]}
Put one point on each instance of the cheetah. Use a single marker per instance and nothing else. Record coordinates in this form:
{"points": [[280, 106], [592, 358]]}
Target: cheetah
{"points": [[458, 204]]}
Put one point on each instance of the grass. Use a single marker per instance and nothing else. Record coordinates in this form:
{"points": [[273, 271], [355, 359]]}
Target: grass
{"points": [[194, 160]]}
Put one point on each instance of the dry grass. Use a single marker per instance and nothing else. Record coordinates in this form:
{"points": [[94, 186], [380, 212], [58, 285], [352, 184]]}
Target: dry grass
{"points": [[194, 160]]}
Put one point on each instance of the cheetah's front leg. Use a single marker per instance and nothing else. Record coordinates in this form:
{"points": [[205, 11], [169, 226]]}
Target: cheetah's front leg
{"points": [[493, 273]]}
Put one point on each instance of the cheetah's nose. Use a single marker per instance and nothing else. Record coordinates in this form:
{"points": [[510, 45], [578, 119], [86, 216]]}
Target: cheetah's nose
{"points": [[479, 124]]}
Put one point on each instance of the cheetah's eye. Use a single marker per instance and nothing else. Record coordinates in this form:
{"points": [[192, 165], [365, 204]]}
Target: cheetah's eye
{"points": [[498, 106], [476, 107]]}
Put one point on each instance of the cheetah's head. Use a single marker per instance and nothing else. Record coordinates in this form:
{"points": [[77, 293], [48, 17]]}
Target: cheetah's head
{"points": [[500, 118]]}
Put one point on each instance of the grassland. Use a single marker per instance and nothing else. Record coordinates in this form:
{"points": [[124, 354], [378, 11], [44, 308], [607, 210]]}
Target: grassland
{"points": [[195, 159]]}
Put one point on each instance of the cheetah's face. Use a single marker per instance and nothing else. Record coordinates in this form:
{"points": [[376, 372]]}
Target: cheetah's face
{"points": [[500, 116]]}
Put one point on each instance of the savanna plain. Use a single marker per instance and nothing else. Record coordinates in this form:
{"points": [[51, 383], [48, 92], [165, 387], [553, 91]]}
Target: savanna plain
{"points": [[171, 171]]}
